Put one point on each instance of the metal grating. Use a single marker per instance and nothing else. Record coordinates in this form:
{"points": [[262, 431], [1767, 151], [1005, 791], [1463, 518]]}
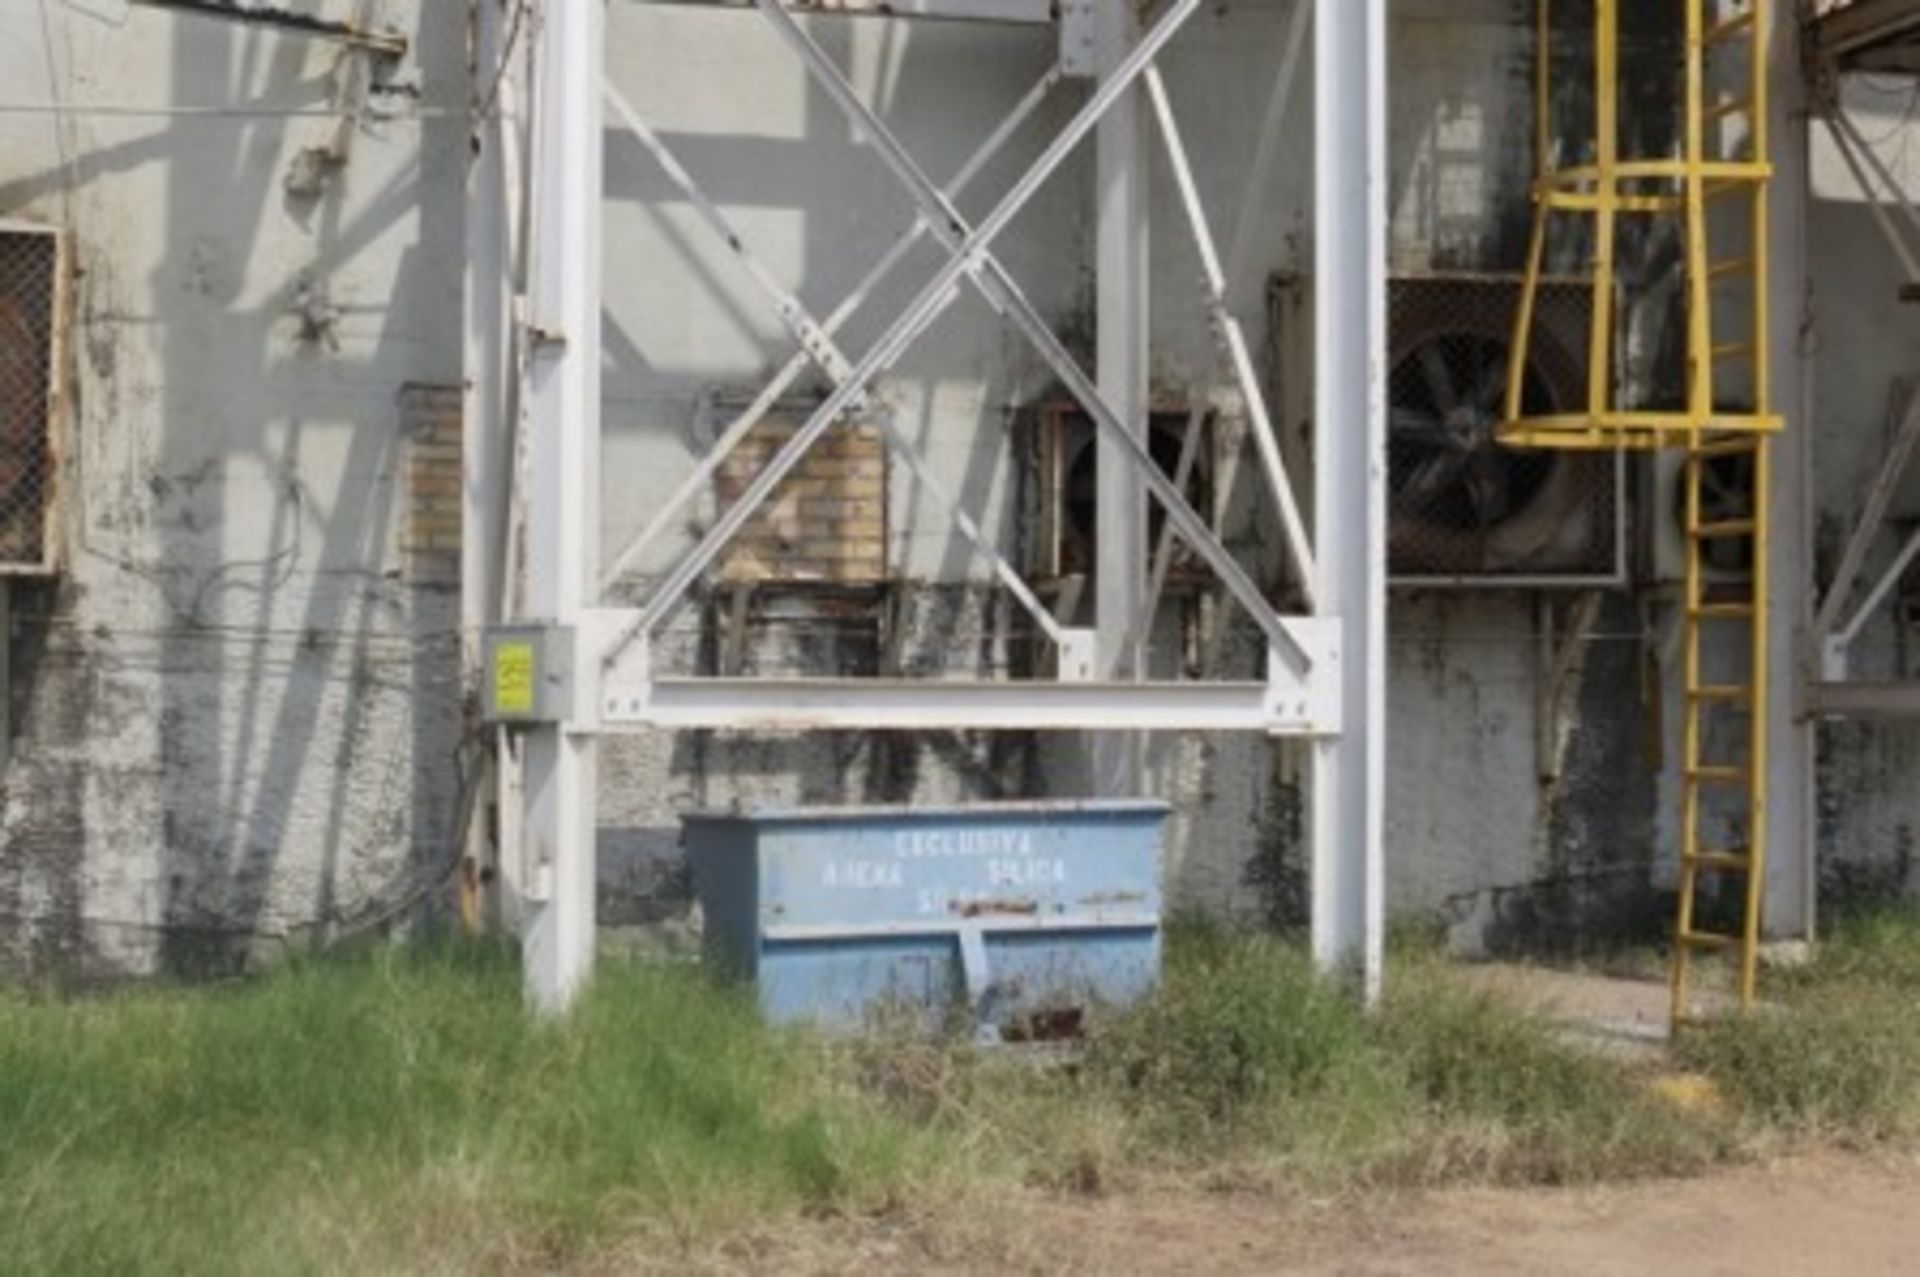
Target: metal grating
{"points": [[1464, 508], [31, 313]]}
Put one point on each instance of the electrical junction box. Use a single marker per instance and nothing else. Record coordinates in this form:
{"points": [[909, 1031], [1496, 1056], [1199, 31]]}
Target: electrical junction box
{"points": [[529, 674]]}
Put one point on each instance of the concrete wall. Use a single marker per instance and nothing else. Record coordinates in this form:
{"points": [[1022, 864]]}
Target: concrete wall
{"points": [[236, 715]]}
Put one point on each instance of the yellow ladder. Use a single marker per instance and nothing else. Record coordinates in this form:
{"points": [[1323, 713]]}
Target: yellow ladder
{"points": [[1717, 188], [1722, 189], [1729, 765]]}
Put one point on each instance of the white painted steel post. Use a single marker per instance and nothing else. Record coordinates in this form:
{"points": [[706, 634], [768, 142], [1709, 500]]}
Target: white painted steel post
{"points": [[1122, 326], [486, 432], [489, 284], [1788, 911], [1349, 86], [563, 523]]}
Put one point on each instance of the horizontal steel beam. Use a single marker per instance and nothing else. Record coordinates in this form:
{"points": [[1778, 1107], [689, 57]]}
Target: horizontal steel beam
{"points": [[1003, 11], [1865, 700], [1850, 31], [799, 704]]}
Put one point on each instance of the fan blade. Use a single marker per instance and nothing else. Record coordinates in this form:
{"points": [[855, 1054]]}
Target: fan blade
{"points": [[1430, 479], [1491, 392], [1414, 424], [1488, 487], [1433, 362]]}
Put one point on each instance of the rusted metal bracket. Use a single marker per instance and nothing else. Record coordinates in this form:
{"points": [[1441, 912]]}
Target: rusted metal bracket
{"points": [[385, 43]]}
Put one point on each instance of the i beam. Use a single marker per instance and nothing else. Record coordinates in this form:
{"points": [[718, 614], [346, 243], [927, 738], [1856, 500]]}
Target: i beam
{"points": [[1350, 218], [1122, 326], [563, 515]]}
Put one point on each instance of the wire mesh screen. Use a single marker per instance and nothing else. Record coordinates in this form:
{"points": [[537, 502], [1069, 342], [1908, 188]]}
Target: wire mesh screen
{"points": [[29, 313], [1464, 507]]}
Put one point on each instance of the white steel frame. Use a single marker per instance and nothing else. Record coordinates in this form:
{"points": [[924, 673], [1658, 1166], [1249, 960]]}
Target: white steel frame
{"points": [[1839, 619], [534, 362]]}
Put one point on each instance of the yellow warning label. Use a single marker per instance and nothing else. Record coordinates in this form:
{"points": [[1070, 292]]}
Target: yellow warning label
{"points": [[513, 671]]}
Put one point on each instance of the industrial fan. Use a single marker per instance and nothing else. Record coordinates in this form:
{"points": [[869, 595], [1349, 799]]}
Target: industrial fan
{"points": [[1461, 503]]}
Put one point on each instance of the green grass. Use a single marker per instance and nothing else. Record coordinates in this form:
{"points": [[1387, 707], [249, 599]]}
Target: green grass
{"points": [[1836, 1054], [396, 1110], [1248, 1049], [400, 1107]]}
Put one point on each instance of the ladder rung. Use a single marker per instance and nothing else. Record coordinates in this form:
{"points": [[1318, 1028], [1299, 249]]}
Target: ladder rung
{"points": [[1721, 612], [1724, 529], [1732, 106], [1721, 693], [1707, 940], [1729, 861], [1717, 775], [1729, 27], [1733, 350], [1736, 447], [1731, 266]]}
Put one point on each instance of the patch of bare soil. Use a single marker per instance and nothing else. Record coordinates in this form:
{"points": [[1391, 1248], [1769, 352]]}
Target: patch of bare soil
{"points": [[1823, 1214]]}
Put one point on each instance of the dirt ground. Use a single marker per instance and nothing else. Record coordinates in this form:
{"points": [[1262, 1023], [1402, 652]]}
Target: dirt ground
{"points": [[1815, 1215]]}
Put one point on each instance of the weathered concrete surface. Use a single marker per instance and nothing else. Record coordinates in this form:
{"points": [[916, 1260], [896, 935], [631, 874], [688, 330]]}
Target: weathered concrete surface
{"points": [[237, 714]]}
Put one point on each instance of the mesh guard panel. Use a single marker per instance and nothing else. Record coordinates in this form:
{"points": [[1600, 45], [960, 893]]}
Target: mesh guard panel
{"points": [[29, 313]]}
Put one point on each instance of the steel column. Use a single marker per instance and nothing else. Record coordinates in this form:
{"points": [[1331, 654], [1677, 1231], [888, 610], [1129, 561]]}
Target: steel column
{"points": [[563, 486], [1788, 911], [489, 288], [491, 401], [1122, 328], [1350, 258]]}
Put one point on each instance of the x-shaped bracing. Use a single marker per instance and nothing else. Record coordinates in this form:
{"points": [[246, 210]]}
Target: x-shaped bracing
{"points": [[1296, 642]]}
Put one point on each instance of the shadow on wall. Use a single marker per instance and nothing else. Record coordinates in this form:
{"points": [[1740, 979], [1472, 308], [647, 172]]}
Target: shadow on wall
{"points": [[1461, 154], [278, 813], [819, 208], [239, 712]]}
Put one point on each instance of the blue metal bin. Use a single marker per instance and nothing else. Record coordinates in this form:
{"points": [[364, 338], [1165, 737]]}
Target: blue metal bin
{"points": [[1022, 912]]}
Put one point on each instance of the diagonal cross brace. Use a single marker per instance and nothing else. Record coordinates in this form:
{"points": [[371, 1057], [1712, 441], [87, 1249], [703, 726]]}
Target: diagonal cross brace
{"points": [[818, 345], [999, 288], [931, 299], [783, 380], [1233, 340], [1265, 152], [1844, 140], [1872, 516]]}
